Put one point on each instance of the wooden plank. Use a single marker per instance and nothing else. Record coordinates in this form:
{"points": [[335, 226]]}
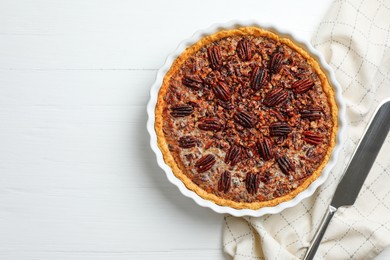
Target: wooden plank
{"points": [[126, 34], [120, 255], [77, 173]]}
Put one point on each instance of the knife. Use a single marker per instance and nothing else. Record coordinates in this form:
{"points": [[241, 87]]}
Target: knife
{"points": [[358, 168]]}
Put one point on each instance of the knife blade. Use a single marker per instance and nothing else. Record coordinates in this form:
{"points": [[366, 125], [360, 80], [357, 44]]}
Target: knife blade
{"points": [[358, 168], [363, 158]]}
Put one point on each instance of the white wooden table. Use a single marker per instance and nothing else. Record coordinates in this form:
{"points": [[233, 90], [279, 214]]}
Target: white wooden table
{"points": [[77, 177]]}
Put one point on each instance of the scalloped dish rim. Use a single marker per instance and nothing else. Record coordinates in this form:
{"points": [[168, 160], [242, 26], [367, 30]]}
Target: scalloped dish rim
{"points": [[225, 209]]}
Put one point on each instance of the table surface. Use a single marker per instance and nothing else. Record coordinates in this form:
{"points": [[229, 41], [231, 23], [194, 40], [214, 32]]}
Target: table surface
{"points": [[78, 179]]}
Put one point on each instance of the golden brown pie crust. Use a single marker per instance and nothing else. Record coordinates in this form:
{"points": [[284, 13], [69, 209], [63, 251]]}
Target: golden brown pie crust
{"points": [[162, 143]]}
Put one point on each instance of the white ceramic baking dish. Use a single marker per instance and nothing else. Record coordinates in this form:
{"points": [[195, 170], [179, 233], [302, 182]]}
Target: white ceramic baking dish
{"points": [[223, 209]]}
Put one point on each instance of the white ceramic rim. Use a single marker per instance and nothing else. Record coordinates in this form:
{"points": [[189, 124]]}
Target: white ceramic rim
{"points": [[209, 204]]}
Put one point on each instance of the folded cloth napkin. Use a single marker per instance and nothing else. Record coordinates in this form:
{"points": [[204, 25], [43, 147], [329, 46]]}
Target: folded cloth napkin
{"points": [[354, 38]]}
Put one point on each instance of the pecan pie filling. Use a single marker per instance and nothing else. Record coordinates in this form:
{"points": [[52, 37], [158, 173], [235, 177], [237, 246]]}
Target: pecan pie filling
{"points": [[246, 117]]}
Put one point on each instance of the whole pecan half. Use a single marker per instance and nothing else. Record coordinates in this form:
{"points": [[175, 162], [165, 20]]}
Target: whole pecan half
{"points": [[258, 78], [279, 129], [312, 138], [302, 85], [285, 165], [311, 113], [187, 141], [233, 155], [275, 97], [181, 110], [264, 147], [205, 163], [209, 124], [244, 119], [215, 57], [193, 82], [221, 91], [244, 49], [275, 62], [224, 181], [252, 182]]}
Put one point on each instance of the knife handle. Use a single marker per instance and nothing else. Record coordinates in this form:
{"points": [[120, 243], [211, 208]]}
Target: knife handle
{"points": [[311, 251]]}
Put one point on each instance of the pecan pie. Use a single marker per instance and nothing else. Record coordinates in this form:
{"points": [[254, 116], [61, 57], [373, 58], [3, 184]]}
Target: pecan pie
{"points": [[246, 118]]}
